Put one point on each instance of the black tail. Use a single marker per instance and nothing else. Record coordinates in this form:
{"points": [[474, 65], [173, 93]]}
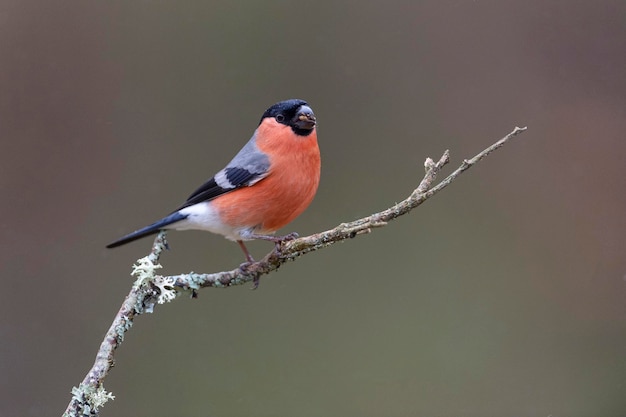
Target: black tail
{"points": [[148, 230]]}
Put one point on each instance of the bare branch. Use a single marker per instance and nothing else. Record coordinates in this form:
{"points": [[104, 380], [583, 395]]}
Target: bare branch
{"points": [[150, 288]]}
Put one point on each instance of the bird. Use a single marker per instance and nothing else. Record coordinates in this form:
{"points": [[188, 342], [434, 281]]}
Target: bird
{"points": [[268, 183]]}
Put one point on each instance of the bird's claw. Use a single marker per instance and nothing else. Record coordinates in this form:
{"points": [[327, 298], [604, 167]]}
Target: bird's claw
{"points": [[290, 236], [279, 240], [245, 269]]}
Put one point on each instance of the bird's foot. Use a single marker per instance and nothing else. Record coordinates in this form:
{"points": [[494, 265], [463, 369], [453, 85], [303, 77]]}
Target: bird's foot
{"points": [[278, 240], [288, 237], [246, 269]]}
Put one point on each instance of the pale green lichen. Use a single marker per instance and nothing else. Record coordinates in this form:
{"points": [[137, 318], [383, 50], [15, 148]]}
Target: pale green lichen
{"points": [[100, 397], [123, 328], [144, 269], [89, 399], [167, 291], [193, 280]]}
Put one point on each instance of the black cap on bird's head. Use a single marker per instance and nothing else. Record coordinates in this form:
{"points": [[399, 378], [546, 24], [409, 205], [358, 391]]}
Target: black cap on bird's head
{"points": [[293, 113]]}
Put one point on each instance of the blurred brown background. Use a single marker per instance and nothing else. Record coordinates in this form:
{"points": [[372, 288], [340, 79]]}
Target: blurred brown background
{"points": [[503, 295]]}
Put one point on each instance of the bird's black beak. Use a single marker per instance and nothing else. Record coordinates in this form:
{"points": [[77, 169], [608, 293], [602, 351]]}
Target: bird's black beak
{"points": [[305, 119]]}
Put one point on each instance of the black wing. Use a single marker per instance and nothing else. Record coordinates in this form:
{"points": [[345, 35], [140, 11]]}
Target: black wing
{"points": [[229, 179], [247, 167]]}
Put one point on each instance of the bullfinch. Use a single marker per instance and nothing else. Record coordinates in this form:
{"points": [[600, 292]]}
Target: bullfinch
{"points": [[271, 181]]}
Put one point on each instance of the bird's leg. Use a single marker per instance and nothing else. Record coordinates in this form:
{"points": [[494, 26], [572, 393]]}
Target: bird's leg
{"points": [[249, 257], [278, 240], [249, 260]]}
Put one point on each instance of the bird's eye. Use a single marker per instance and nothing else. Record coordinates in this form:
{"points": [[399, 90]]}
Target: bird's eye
{"points": [[280, 118]]}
